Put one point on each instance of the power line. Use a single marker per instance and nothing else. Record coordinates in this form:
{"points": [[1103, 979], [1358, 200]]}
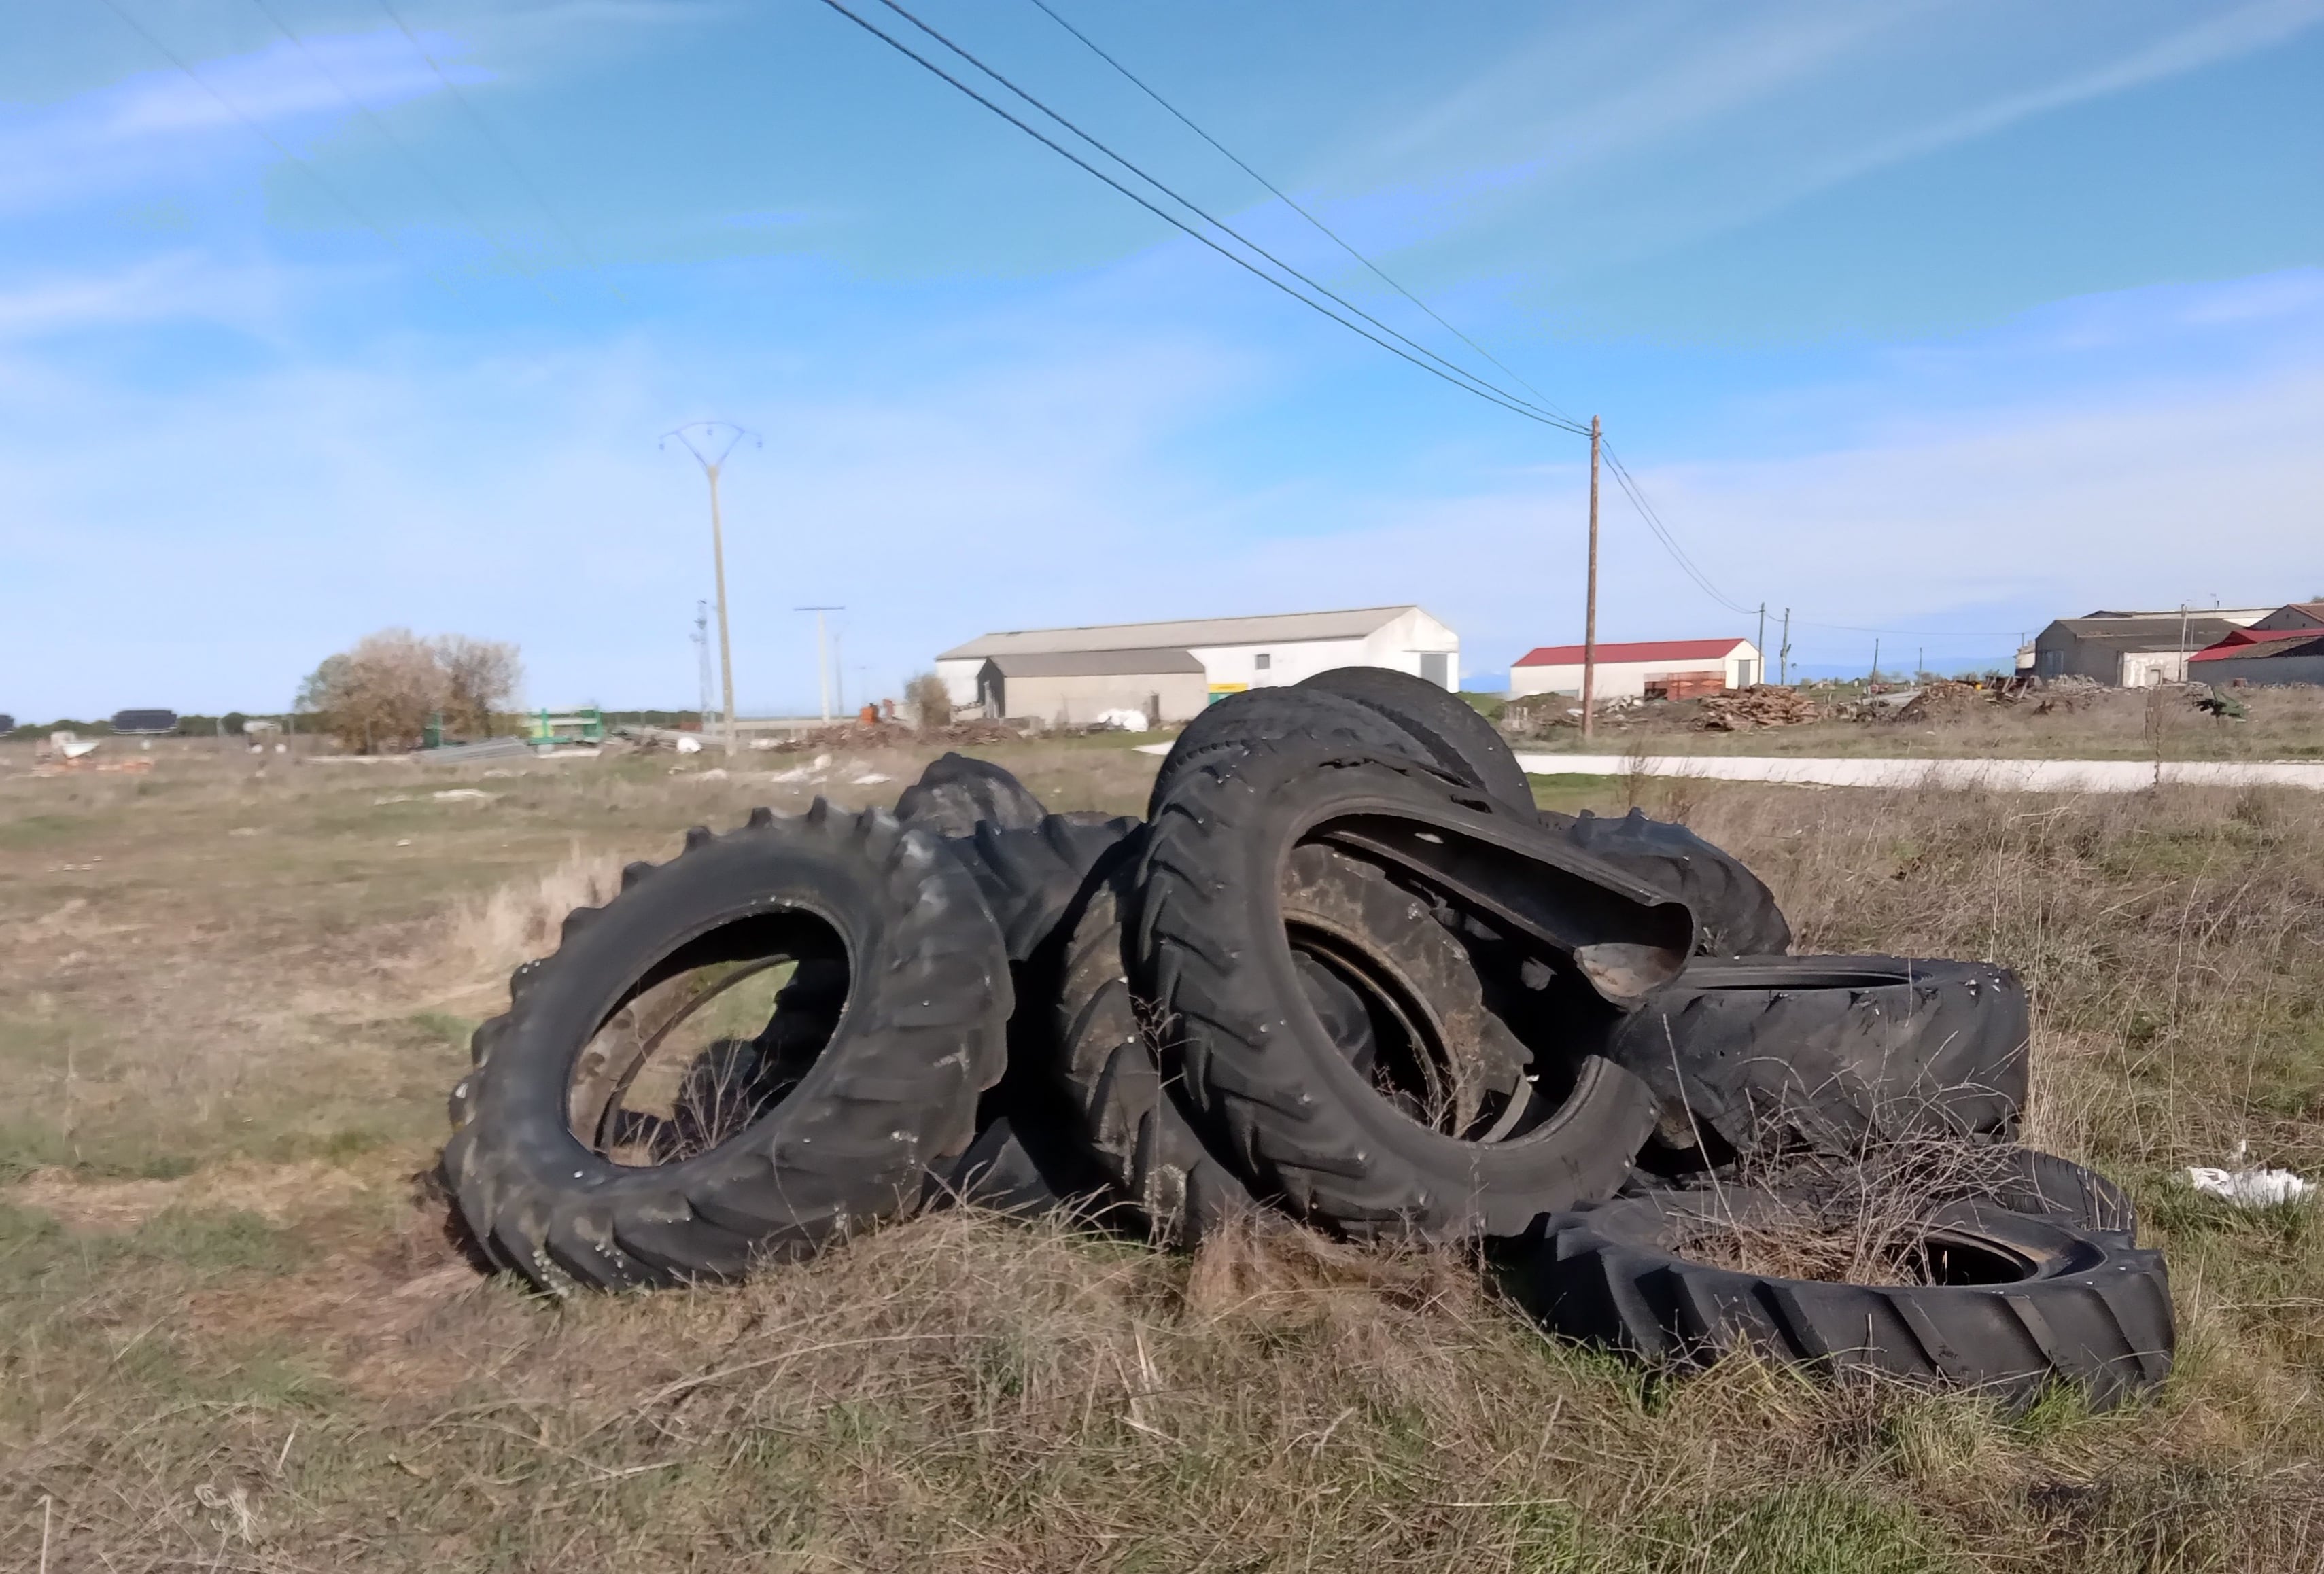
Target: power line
{"points": [[1473, 385], [493, 139], [1285, 198], [1219, 224], [1436, 365], [272, 141], [379, 124]]}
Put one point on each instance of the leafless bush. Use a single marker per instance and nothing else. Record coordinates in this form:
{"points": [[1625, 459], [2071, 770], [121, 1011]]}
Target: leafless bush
{"points": [[379, 697], [931, 702]]}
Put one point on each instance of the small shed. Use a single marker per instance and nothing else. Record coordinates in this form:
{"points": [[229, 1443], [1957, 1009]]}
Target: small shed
{"points": [[1076, 687]]}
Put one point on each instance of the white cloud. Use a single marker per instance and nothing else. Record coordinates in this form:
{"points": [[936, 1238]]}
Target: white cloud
{"points": [[167, 126]]}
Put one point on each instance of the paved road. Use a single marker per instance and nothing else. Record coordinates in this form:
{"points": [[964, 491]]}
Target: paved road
{"points": [[2035, 776]]}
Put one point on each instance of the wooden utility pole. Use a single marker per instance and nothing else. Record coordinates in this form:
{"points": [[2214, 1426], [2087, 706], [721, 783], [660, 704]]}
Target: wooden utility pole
{"points": [[1784, 656], [1590, 614], [1760, 650]]}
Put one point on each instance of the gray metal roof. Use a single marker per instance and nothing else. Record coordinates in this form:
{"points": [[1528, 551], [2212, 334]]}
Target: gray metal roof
{"points": [[2156, 633], [1281, 628], [1094, 663]]}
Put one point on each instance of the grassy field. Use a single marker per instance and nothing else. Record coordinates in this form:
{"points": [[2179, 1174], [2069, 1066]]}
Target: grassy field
{"points": [[2284, 723], [234, 1336]]}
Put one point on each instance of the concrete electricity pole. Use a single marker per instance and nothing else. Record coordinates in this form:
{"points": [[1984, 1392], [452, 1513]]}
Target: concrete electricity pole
{"points": [[1589, 615], [1762, 645], [822, 653], [699, 438], [1784, 656]]}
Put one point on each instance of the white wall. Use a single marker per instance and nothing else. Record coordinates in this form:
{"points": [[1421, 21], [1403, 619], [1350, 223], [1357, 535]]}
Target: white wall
{"points": [[2142, 668], [1618, 679], [960, 678]]}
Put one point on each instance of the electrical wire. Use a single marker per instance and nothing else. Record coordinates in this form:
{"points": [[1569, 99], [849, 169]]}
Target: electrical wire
{"points": [[492, 140], [1285, 198], [314, 173], [1475, 386], [1553, 417], [372, 118]]}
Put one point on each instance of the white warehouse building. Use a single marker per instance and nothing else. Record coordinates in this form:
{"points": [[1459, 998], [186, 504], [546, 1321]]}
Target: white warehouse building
{"points": [[1171, 670], [1679, 668]]}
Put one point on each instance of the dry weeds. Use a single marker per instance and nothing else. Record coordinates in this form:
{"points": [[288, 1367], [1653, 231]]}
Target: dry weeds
{"points": [[223, 1381]]}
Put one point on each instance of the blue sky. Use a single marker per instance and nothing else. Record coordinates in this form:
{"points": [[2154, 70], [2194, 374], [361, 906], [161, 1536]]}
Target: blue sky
{"points": [[1941, 319]]}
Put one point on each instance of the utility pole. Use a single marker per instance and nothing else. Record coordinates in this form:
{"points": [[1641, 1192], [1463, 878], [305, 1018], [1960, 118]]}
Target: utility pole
{"points": [[822, 653], [702, 658], [1590, 614], [699, 437], [839, 668], [1784, 658], [2182, 640], [1876, 667], [1761, 647]]}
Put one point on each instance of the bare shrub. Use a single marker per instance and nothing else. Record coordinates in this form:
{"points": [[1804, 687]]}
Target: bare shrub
{"points": [[378, 698], [931, 702], [480, 677], [521, 920]]}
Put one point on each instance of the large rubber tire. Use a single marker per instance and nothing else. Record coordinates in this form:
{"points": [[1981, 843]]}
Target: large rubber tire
{"points": [[1135, 1124], [1029, 876], [1269, 715], [1457, 738], [891, 1096], [1296, 1119], [2031, 1300], [1027, 1158], [1758, 1055], [956, 794], [1735, 910], [1132, 1120]]}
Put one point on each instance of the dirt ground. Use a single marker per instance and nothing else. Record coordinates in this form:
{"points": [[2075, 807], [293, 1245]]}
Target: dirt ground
{"points": [[2282, 724], [233, 1334]]}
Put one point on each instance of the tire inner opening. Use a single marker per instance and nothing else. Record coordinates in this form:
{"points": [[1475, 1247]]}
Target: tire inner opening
{"points": [[1843, 1247], [710, 1041], [1393, 1041]]}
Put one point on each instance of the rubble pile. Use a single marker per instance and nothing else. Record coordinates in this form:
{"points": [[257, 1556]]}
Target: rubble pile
{"points": [[1760, 705]]}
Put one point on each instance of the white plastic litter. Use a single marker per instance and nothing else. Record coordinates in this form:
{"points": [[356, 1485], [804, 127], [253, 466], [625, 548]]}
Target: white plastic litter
{"points": [[715, 773], [1124, 720], [462, 795], [870, 778], [689, 745], [2257, 1187], [797, 773]]}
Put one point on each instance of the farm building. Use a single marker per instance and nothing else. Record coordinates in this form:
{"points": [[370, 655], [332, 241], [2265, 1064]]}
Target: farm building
{"points": [[1171, 670], [1678, 669], [2135, 650], [2287, 646]]}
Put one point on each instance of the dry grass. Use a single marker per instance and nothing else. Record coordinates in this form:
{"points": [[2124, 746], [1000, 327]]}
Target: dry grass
{"points": [[234, 1338]]}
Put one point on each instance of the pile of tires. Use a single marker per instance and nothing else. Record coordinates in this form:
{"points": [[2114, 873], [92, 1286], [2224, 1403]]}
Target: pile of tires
{"points": [[1344, 972]]}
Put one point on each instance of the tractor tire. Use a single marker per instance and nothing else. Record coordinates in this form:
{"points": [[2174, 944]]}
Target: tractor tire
{"points": [[1269, 715], [1735, 910], [902, 995], [2018, 1302], [956, 794], [1758, 1056], [1301, 1122], [1459, 739]]}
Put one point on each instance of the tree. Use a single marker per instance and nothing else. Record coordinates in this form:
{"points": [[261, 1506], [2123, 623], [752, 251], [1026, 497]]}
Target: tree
{"points": [[931, 702], [480, 677], [377, 697]]}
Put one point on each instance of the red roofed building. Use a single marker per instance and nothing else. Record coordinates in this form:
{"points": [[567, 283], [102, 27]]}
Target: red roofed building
{"points": [[2287, 646], [1634, 668]]}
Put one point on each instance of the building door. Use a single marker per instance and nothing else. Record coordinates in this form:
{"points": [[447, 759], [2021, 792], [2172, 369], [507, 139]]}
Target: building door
{"points": [[1437, 668]]}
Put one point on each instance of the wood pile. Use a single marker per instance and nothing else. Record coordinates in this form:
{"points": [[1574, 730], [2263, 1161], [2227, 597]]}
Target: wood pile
{"points": [[1760, 705]]}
